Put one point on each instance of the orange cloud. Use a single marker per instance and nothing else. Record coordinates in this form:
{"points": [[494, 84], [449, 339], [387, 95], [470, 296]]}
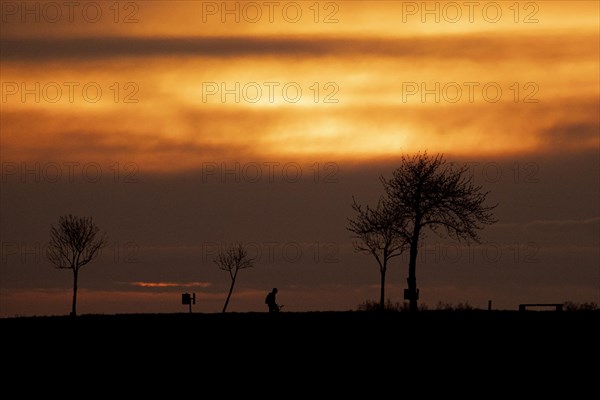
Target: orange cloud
{"points": [[171, 284], [179, 94]]}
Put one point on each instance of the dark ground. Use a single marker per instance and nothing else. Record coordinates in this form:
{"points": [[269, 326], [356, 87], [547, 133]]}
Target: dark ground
{"points": [[360, 346], [287, 329]]}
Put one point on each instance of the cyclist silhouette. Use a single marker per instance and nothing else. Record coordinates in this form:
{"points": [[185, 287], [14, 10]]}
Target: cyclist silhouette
{"points": [[271, 301]]}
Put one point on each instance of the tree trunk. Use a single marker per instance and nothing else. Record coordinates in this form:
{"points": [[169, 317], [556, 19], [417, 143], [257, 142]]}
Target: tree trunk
{"points": [[74, 306], [412, 271], [382, 292], [229, 294], [412, 277]]}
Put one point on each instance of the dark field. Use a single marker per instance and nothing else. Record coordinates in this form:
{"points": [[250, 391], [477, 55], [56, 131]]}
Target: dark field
{"points": [[285, 329], [498, 347]]}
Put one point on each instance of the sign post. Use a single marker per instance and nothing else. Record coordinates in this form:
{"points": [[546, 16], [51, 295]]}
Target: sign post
{"points": [[189, 299]]}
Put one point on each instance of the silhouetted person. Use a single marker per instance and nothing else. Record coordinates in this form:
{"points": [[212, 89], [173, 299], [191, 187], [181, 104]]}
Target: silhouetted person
{"points": [[271, 301]]}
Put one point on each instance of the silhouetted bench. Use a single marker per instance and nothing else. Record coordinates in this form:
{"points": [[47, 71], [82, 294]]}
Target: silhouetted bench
{"points": [[523, 307]]}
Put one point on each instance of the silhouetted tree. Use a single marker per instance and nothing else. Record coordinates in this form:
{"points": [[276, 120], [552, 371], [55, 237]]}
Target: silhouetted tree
{"points": [[427, 192], [378, 235], [74, 242], [232, 259]]}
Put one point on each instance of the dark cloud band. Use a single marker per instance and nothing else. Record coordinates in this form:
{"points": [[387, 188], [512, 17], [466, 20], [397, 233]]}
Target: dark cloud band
{"points": [[477, 47]]}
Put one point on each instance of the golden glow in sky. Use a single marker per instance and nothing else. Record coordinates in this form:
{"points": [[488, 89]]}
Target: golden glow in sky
{"points": [[168, 84]]}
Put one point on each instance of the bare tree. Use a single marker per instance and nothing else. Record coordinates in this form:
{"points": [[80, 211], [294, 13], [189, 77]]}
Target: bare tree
{"points": [[233, 259], [74, 242], [428, 192], [377, 234]]}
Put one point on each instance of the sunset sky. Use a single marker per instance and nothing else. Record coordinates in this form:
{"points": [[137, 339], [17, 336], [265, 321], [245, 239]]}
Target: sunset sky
{"points": [[182, 125]]}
